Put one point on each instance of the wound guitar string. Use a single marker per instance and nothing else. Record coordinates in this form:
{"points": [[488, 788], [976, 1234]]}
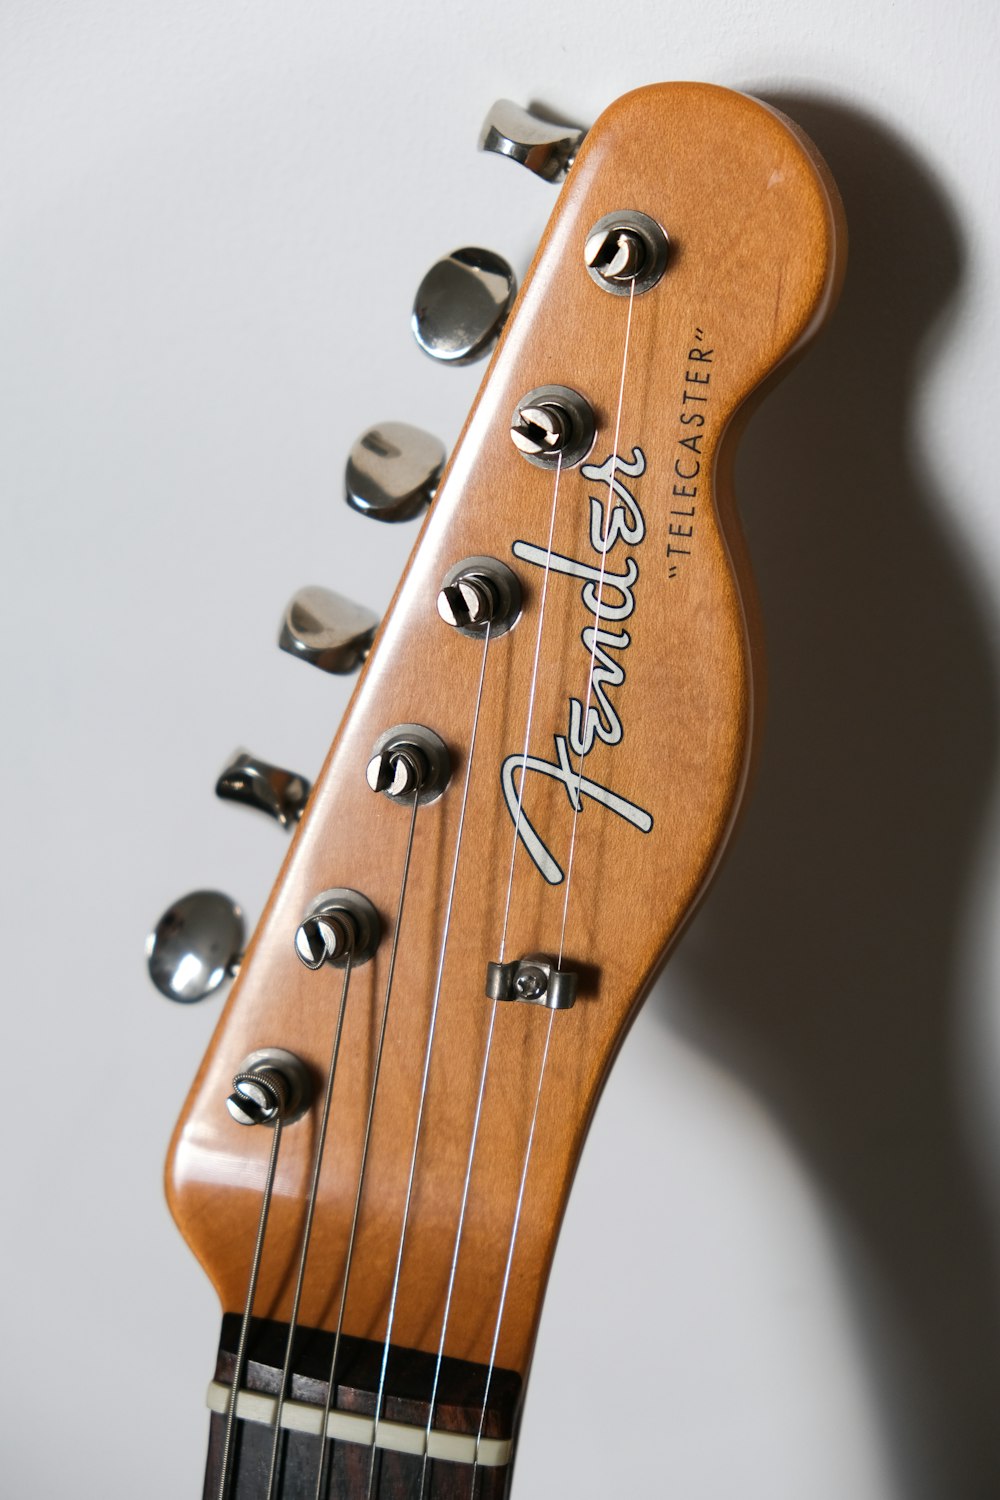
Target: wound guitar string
{"points": [[484, 1069], [241, 1348], [324, 1444], [432, 1026], [272, 1477]]}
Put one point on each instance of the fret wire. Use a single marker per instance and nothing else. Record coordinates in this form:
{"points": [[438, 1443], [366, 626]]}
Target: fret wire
{"points": [[328, 1405], [241, 1348], [597, 623], [307, 1227], [428, 1050], [531, 707]]}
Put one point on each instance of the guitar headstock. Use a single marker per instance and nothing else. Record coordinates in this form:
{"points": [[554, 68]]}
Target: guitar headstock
{"points": [[541, 763]]}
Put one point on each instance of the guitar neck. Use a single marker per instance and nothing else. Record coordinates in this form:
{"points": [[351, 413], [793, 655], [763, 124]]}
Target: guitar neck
{"points": [[469, 1452]]}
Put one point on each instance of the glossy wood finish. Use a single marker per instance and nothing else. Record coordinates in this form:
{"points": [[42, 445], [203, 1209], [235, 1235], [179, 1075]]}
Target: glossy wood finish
{"points": [[755, 260]]}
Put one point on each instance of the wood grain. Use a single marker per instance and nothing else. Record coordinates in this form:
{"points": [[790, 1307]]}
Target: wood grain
{"points": [[756, 256]]}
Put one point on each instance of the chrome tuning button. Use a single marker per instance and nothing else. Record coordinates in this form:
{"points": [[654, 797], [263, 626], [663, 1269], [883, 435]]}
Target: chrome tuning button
{"points": [[462, 304], [195, 946], [477, 592], [340, 924], [543, 146], [327, 630], [393, 471], [270, 789]]}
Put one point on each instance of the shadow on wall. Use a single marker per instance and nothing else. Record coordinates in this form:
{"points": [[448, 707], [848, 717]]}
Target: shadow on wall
{"points": [[825, 967]]}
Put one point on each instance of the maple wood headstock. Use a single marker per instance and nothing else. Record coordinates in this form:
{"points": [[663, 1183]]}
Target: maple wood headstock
{"points": [[755, 256]]}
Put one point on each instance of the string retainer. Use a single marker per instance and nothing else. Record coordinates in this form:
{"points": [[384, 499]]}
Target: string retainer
{"points": [[535, 979]]}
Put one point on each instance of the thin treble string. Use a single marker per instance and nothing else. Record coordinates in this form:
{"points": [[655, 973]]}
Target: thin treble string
{"points": [[458, 1241], [241, 1348], [307, 1228], [531, 708], [510, 1248], [427, 1055], [328, 1404], [597, 624]]}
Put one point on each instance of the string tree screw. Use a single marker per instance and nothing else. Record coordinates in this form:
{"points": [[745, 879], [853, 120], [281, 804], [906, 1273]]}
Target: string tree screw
{"points": [[535, 978], [626, 251], [551, 425], [409, 761], [477, 592]]}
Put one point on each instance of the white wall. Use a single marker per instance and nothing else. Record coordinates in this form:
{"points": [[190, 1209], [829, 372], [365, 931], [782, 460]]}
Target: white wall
{"points": [[779, 1268]]}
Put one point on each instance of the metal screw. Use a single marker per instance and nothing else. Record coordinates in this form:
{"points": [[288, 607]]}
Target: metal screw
{"points": [[397, 772], [616, 254], [541, 429], [531, 982]]}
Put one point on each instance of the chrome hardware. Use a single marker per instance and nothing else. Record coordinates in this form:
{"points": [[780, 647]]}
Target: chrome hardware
{"points": [[195, 946], [393, 471], [462, 304], [327, 630], [550, 423], [270, 789], [625, 249], [477, 592], [269, 1084], [340, 924], [409, 759], [545, 148], [535, 979]]}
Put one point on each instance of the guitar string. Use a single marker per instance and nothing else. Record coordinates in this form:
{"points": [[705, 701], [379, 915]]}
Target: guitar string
{"points": [[307, 1227], [241, 1347], [519, 1205], [453, 1269], [510, 1252], [325, 1444], [427, 1054], [458, 1240], [597, 622], [531, 708]]}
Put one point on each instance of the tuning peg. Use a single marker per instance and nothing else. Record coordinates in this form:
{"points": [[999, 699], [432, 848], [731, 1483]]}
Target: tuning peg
{"points": [[541, 145], [195, 946], [279, 793], [462, 304], [327, 630], [393, 471]]}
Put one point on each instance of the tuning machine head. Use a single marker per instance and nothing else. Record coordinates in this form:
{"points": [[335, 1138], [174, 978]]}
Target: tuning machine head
{"points": [[462, 304], [195, 946], [543, 146], [269, 789], [393, 471], [327, 630]]}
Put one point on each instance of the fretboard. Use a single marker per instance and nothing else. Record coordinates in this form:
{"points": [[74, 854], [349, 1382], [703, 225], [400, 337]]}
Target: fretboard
{"points": [[460, 1450]]}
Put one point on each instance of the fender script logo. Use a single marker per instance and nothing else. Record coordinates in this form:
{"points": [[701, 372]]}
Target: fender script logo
{"points": [[601, 721]]}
